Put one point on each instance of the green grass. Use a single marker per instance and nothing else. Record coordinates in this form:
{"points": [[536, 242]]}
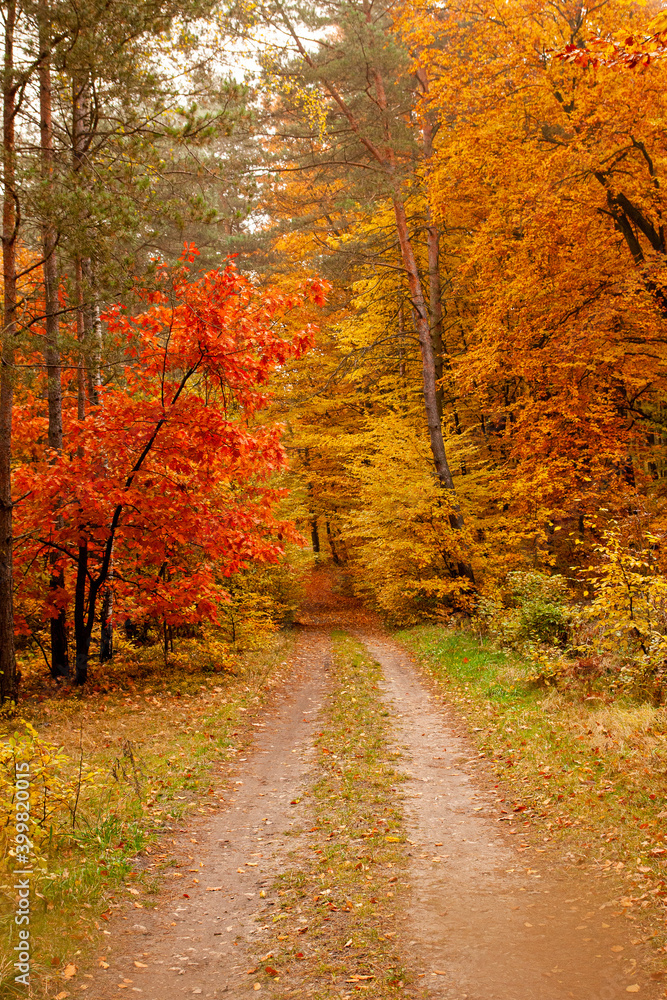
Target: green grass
{"points": [[589, 776], [349, 886]]}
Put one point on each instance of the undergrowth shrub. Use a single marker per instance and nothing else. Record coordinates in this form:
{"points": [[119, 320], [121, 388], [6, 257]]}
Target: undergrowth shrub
{"points": [[55, 791], [532, 609], [628, 613], [262, 598], [406, 552]]}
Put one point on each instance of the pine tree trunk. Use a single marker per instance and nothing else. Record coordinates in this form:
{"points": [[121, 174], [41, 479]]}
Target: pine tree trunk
{"points": [[8, 671], [49, 236], [87, 319], [59, 645]]}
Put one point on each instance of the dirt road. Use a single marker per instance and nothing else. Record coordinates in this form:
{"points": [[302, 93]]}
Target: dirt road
{"points": [[489, 917]]}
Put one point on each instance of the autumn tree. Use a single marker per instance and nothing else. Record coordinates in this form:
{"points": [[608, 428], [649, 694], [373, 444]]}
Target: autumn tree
{"points": [[94, 194], [167, 472], [348, 103]]}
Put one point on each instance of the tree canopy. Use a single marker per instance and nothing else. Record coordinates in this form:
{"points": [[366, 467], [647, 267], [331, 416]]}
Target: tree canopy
{"points": [[467, 202]]}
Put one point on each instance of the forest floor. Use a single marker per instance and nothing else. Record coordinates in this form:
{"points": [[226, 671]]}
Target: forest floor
{"points": [[362, 847]]}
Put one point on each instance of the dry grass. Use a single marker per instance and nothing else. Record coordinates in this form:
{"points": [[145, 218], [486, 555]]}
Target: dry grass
{"points": [[159, 741]]}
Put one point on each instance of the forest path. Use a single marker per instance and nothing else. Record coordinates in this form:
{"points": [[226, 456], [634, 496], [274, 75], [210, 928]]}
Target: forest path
{"points": [[490, 909], [487, 918], [198, 939]]}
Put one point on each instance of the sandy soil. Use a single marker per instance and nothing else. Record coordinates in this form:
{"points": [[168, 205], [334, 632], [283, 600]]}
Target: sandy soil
{"points": [[198, 939], [492, 916]]}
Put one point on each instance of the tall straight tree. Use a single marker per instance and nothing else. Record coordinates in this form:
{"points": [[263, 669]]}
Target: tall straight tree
{"points": [[58, 625], [10, 223], [347, 69]]}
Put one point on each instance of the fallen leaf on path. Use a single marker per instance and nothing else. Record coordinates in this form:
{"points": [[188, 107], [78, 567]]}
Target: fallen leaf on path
{"points": [[617, 947], [357, 979], [135, 892], [393, 840], [348, 943], [213, 888], [141, 965], [69, 971], [61, 996], [632, 989], [439, 972], [257, 986], [270, 971]]}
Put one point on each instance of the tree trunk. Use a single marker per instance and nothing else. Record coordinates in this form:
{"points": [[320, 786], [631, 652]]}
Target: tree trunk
{"points": [[95, 366], [82, 623], [49, 236], [422, 326], [384, 155], [87, 319], [106, 635], [94, 336], [429, 377], [59, 644], [315, 535], [10, 223], [435, 309], [332, 545], [433, 248]]}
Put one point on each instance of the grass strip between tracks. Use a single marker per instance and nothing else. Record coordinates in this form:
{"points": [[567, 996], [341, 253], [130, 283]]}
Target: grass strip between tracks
{"points": [[336, 910]]}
